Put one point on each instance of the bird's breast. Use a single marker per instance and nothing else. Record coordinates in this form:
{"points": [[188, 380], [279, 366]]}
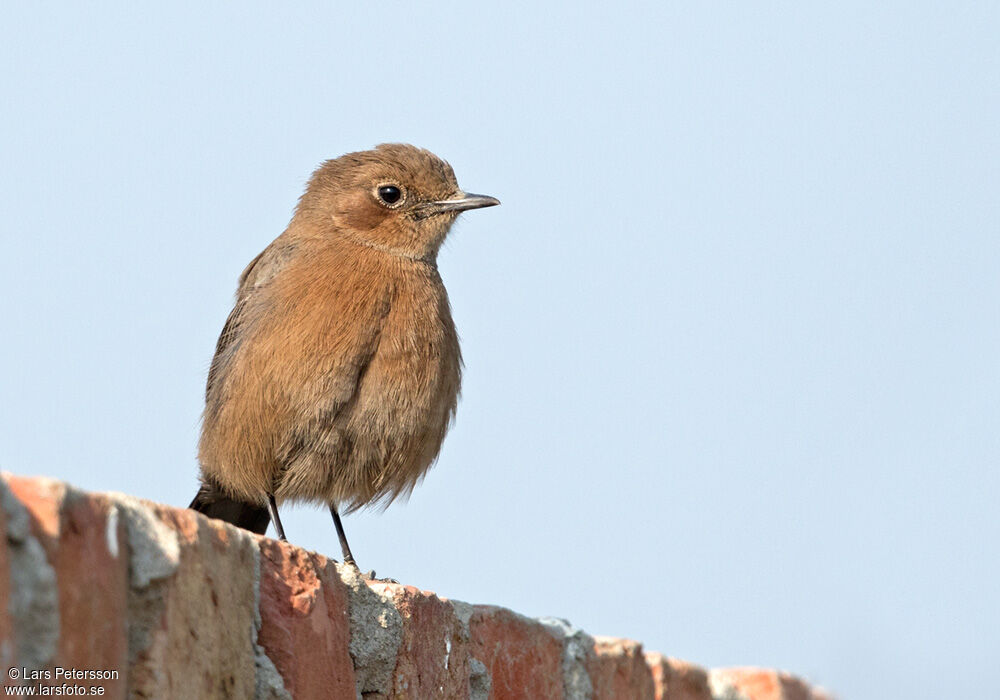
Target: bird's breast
{"points": [[376, 384], [412, 382]]}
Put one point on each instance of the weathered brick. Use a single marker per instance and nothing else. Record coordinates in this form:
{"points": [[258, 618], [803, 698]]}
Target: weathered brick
{"points": [[523, 657], [32, 601], [192, 628], [90, 575], [376, 631], [6, 624], [433, 658], [91, 566], [618, 670], [304, 622], [674, 679], [43, 499], [760, 684], [186, 606], [578, 650]]}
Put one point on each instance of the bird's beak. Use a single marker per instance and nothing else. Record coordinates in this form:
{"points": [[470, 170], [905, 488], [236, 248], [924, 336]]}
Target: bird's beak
{"points": [[463, 202]]}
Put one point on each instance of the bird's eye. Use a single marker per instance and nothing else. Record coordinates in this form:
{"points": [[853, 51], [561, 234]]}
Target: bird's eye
{"points": [[389, 194]]}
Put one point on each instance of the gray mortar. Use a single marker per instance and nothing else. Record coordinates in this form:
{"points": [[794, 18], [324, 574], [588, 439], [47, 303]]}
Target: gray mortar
{"points": [[154, 549], [480, 682], [154, 555], [463, 611], [376, 634], [270, 685], [721, 689], [578, 647], [34, 599]]}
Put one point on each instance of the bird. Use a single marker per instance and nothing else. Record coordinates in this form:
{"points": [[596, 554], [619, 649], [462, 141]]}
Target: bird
{"points": [[338, 371]]}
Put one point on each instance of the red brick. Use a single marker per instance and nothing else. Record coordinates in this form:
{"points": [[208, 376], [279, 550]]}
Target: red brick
{"points": [[304, 622], [172, 598], [93, 591], [39, 500], [674, 679], [6, 625], [199, 621], [754, 683], [793, 688], [618, 670], [764, 684], [43, 500], [433, 658], [91, 581], [523, 657]]}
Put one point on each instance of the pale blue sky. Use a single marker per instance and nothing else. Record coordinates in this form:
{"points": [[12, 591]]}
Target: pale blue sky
{"points": [[732, 344]]}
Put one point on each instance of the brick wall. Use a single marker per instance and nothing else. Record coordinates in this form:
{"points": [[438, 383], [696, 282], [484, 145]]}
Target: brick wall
{"points": [[179, 606]]}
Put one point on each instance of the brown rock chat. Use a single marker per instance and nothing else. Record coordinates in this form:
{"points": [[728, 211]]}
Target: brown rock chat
{"points": [[337, 372]]}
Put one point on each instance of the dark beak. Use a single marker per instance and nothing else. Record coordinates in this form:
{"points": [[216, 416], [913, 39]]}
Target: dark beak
{"points": [[461, 203]]}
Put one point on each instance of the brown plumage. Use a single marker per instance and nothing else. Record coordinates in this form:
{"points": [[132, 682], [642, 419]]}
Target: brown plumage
{"points": [[337, 373]]}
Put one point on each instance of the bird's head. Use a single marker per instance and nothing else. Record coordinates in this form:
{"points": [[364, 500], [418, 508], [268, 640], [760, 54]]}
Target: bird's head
{"points": [[397, 198]]}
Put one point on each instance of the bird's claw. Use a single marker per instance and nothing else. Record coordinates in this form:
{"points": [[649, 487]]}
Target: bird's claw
{"points": [[372, 578]]}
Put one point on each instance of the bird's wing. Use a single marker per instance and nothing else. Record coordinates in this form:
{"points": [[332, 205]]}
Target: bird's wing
{"points": [[255, 277]]}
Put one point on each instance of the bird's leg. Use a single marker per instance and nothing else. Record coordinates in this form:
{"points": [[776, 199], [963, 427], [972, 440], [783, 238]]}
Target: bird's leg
{"points": [[344, 547], [272, 509]]}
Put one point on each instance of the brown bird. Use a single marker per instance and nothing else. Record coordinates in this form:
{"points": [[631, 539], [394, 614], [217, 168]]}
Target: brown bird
{"points": [[337, 373]]}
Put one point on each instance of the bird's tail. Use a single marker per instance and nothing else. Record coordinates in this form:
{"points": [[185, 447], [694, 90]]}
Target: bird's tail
{"points": [[212, 502]]}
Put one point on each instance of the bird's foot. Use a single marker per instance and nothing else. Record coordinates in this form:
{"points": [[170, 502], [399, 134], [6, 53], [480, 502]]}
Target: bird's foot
{"points": [[370, 576]]}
